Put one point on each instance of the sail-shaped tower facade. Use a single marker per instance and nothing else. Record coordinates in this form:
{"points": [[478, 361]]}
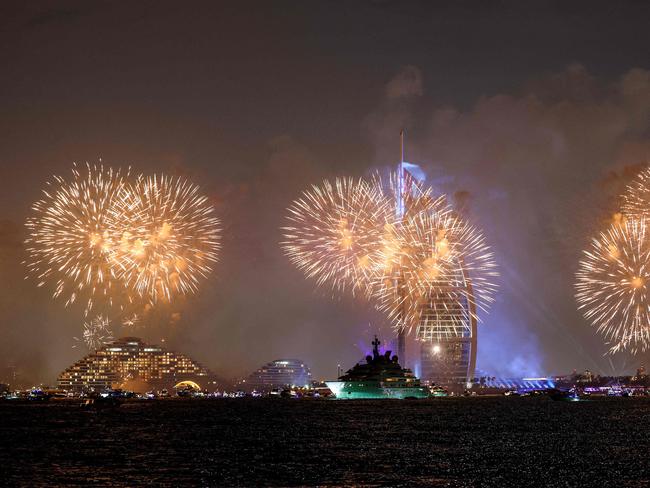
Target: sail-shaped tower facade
{"points": [[446, 336]]}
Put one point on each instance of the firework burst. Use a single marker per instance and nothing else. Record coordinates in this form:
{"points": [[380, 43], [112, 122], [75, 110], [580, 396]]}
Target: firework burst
{"points": [[400, 245], [96, 333], [335, 233], [167, 237], [438, 270], [69, 243], [612, 285]]}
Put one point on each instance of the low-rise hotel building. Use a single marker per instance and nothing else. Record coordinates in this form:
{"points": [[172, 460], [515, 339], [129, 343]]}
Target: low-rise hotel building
{"points": [[129, 361]]}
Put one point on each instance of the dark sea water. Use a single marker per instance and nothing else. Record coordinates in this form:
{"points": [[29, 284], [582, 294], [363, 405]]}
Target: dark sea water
{"points": [[272, 442]]}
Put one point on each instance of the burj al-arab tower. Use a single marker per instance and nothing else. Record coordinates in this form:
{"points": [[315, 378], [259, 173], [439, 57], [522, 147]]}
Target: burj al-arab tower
{"points": [[441, 347]]}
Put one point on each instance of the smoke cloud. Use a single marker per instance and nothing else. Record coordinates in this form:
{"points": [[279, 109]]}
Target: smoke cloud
{"points": [[542, 169]]}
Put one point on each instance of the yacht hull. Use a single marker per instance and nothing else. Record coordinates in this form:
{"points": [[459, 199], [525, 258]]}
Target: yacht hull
{"points": [[359, 390]]}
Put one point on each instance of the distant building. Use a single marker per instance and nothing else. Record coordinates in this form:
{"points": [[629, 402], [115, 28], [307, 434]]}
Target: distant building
{"points": [[542, 383], [279, 374], [131, 364]]}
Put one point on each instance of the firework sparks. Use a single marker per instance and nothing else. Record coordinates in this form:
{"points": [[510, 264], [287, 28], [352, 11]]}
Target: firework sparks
{"points": [[438, 271], [131, 321], [167, 237], [335, 233], [100, 239], [636, 199], [69, 244], [96, 333], [612, 285]]}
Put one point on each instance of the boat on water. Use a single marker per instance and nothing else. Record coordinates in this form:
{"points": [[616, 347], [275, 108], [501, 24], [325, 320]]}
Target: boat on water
{"points": [[38, 395], [571, 395], [438, 391], [106, 400], [381, 376]]}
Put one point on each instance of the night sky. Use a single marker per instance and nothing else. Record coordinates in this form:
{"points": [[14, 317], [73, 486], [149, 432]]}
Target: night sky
{"points": [[530, 115]]}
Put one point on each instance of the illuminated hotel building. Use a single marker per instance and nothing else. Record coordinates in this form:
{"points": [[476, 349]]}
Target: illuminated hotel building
{"points": [[278, 374], [131, 360]]}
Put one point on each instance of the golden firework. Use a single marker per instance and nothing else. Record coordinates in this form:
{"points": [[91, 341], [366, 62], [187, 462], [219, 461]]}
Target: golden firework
{"points": [[438, 271], [612, 285], [69, 242], [397, 243], [166, 237], [335, 233]]}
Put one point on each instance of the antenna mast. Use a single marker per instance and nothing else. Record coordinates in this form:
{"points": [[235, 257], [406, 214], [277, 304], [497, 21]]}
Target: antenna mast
{"points": [[401, 339]]}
